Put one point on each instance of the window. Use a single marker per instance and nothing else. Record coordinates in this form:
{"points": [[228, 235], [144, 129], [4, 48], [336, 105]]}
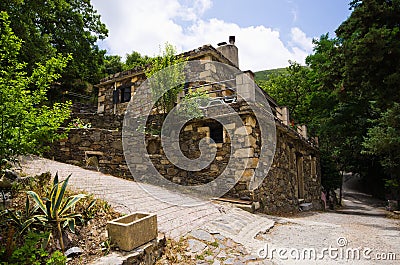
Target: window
{"points": [[122, 94], [125, 94], [116, 96], [217, 132]]}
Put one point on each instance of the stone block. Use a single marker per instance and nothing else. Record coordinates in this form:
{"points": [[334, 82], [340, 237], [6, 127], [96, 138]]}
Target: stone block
{"points": [[253, 162], [211, 67], [164, 162], [306, 206], [219, 158], [230, 126], [188, 128], [250, 121], [244, 130], [101, 99], [205, 75], [131, 231], [134, 79], [206, 59], [245, 152], [75, 139], [100, 108], [203, 129], [247, 175], [172, 171], [117, 145]]}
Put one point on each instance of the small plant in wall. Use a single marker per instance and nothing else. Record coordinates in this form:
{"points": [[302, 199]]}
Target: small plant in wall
{"points": [[57, 210], [192, 104], [78, 123]]}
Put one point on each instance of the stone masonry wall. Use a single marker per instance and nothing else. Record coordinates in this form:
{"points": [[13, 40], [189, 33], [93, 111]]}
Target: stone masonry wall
{"points": [[293, 175], [105, 99], [103, 120], [279, 191], [93, 148]]}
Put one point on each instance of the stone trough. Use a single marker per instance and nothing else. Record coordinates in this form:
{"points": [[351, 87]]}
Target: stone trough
{"points": [[133, 230]]}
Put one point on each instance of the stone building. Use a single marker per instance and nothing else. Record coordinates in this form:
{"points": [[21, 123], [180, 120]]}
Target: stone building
{"points": [[293, 177]]}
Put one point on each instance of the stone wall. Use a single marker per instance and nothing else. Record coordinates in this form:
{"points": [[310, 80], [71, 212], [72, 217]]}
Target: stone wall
{"points": [[293, 175], [135, 77], [106, 93], [93, 148], [102, 120]]}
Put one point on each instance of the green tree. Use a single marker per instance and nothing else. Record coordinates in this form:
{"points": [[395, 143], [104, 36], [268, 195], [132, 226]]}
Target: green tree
{"points": [[359, 70], [162, 82], [26, 125], [135, 59], [113, 64], [383, 141], [291, 88], [311, 102], [370, 50], [59, 27]]}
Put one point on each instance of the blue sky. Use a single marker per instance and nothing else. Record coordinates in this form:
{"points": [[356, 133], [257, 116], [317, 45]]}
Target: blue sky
{"points": [[268, 32]]}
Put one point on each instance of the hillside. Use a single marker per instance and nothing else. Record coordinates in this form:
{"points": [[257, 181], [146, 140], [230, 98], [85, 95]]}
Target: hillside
{"points": [[264, 75]]}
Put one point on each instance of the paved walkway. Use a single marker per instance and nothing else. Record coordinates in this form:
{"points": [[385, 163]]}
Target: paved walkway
{"points": [[226, 235], [175, 221]]}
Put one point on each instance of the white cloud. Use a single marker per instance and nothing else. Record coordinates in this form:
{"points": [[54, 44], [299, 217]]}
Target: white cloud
{"points": [[299, 38], [144, 25]]}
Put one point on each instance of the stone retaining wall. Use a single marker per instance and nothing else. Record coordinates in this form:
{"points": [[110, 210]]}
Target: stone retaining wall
{"points": [[93, 148], [103, 121]]}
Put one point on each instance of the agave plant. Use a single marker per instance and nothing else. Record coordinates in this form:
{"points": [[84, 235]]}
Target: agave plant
{"points": [[22, 219], [57, 210]]}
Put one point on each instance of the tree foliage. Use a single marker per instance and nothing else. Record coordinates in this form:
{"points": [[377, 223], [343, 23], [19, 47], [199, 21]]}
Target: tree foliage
{"points": [[135, 59], [383, 139], [164, 73], [291, 88], [370, 50], [370, 53], [113, 64], [349, 78], [310, 102], [59, 27], [26, 124]]}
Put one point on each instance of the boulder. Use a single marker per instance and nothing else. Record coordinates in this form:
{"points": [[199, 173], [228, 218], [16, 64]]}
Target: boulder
{"points": [[8, 177]]}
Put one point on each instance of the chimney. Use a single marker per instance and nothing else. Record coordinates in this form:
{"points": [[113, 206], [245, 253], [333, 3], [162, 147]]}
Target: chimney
{"points": [[229, 51]]}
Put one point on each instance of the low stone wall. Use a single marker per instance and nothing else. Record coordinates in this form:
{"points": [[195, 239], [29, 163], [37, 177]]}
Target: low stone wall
{"points": [[103, 121], [148, 254], [92, 148]]}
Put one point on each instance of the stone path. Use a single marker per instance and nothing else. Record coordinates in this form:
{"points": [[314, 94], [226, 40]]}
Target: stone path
{"points": [[220, 234], [220, 220]]}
